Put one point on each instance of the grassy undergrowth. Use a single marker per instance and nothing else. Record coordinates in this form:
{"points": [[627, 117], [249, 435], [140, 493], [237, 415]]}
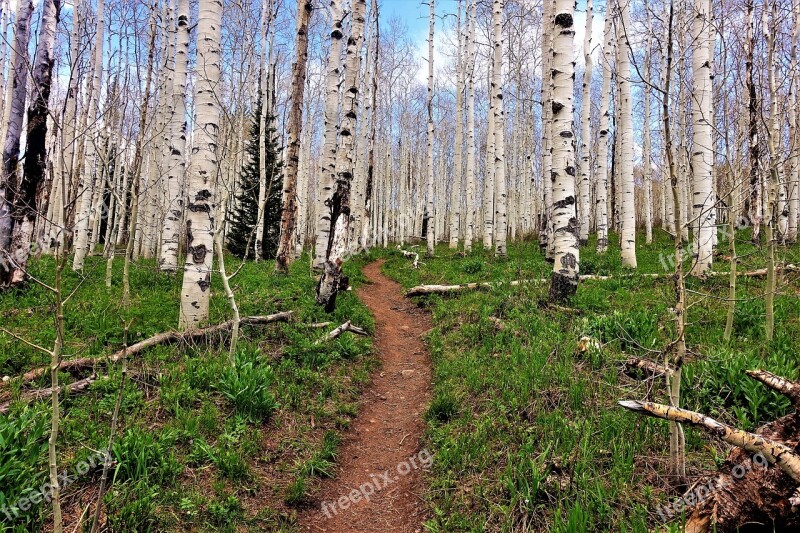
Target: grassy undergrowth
{"points": [[202, 446], [526, 429]]}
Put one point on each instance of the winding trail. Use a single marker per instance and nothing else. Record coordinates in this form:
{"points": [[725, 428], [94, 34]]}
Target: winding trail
{"points": [[378, 485]]}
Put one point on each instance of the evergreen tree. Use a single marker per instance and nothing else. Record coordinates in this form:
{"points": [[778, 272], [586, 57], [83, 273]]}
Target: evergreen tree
{"points": [[244, 215]]}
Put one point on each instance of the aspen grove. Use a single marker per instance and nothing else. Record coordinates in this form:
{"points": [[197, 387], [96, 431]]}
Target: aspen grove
{"points": [[256, 251]]}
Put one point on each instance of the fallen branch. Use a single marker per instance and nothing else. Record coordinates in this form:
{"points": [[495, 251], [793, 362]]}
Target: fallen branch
{"points": [[347, 326], [406, 253], [38, 394], [168, 337], [424, 290], [651, 369]]}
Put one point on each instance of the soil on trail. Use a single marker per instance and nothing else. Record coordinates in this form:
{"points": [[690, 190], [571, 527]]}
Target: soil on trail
{"points": [[378, 484]]}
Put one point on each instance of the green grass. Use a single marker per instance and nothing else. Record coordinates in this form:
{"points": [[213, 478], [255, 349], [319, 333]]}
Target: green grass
{"points": [[526, 430], [202, 445]]}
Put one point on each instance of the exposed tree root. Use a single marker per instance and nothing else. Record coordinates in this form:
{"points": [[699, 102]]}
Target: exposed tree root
{"points": [[749, 490], [167, 337]]}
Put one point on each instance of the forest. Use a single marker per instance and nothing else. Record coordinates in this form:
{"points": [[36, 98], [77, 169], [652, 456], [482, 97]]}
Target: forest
{"points": [[399, 265]]}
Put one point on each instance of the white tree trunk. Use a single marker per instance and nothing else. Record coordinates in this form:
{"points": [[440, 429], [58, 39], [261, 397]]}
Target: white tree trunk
{"points": [[564, 281], [702, 154], [470, 201], [430, 215], [327, 179], [171, 234], [601, 192], [586, 170], [501, 215], [625, 156], [266, 61], [91, 161], [647, 172], [794, 135], [455, 191], [201, 185]]}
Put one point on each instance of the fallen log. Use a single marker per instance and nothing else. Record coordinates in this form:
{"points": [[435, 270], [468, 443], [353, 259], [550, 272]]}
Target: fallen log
{"points": [[649, 368], [347, 326], [423, 290], [749, 489], [167, 337], [38, 394]]}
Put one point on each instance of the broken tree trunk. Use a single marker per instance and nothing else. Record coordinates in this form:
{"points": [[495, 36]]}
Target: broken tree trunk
{"points": [[759, 481], [347, 326]]}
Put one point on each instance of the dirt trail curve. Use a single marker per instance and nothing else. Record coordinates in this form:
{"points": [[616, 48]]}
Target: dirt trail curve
{"points": [[378, 484]]}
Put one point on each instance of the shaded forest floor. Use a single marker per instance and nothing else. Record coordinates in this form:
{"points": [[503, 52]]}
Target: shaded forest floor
{"points": [[524, 429]]}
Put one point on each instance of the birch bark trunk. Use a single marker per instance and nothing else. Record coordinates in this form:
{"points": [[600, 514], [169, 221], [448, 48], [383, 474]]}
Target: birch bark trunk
{"points": [[564, 281], [628, 208], [24, 210], [601, 194], [327, 180], [177, 162], [200, 216], [470, 74], [702, 155], [586, 171], [455, 191], [8, 174], [430, 216], [501, 200], [89, 173]]}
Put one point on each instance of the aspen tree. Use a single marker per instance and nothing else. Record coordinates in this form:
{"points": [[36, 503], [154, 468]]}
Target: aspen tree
{"points": [[754, 200], [647, 168], [627, 209], [285, 252], [35, 166], [501, 215], [586, 171], [327, 180], [201, 183], [545, 237], [702, 155], [266, 110], [89, 170], [773, 140], [430, 215], [16, 114], [564, 281], [601, 191], [469, 219], [793, 183], [455, 191], [488, 180], [329, 283], [177, 146]]}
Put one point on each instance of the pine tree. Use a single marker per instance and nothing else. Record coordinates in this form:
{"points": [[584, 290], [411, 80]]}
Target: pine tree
{"points": [[244, 216]]}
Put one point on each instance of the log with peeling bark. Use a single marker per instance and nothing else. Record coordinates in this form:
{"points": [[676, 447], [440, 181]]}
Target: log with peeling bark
{"points": [[347, 326], [744, 492], [413, 255], [167, 337], [649, 368]]}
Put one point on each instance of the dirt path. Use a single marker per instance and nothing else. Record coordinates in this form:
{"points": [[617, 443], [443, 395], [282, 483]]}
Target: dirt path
{"points": [[378, 484]]}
